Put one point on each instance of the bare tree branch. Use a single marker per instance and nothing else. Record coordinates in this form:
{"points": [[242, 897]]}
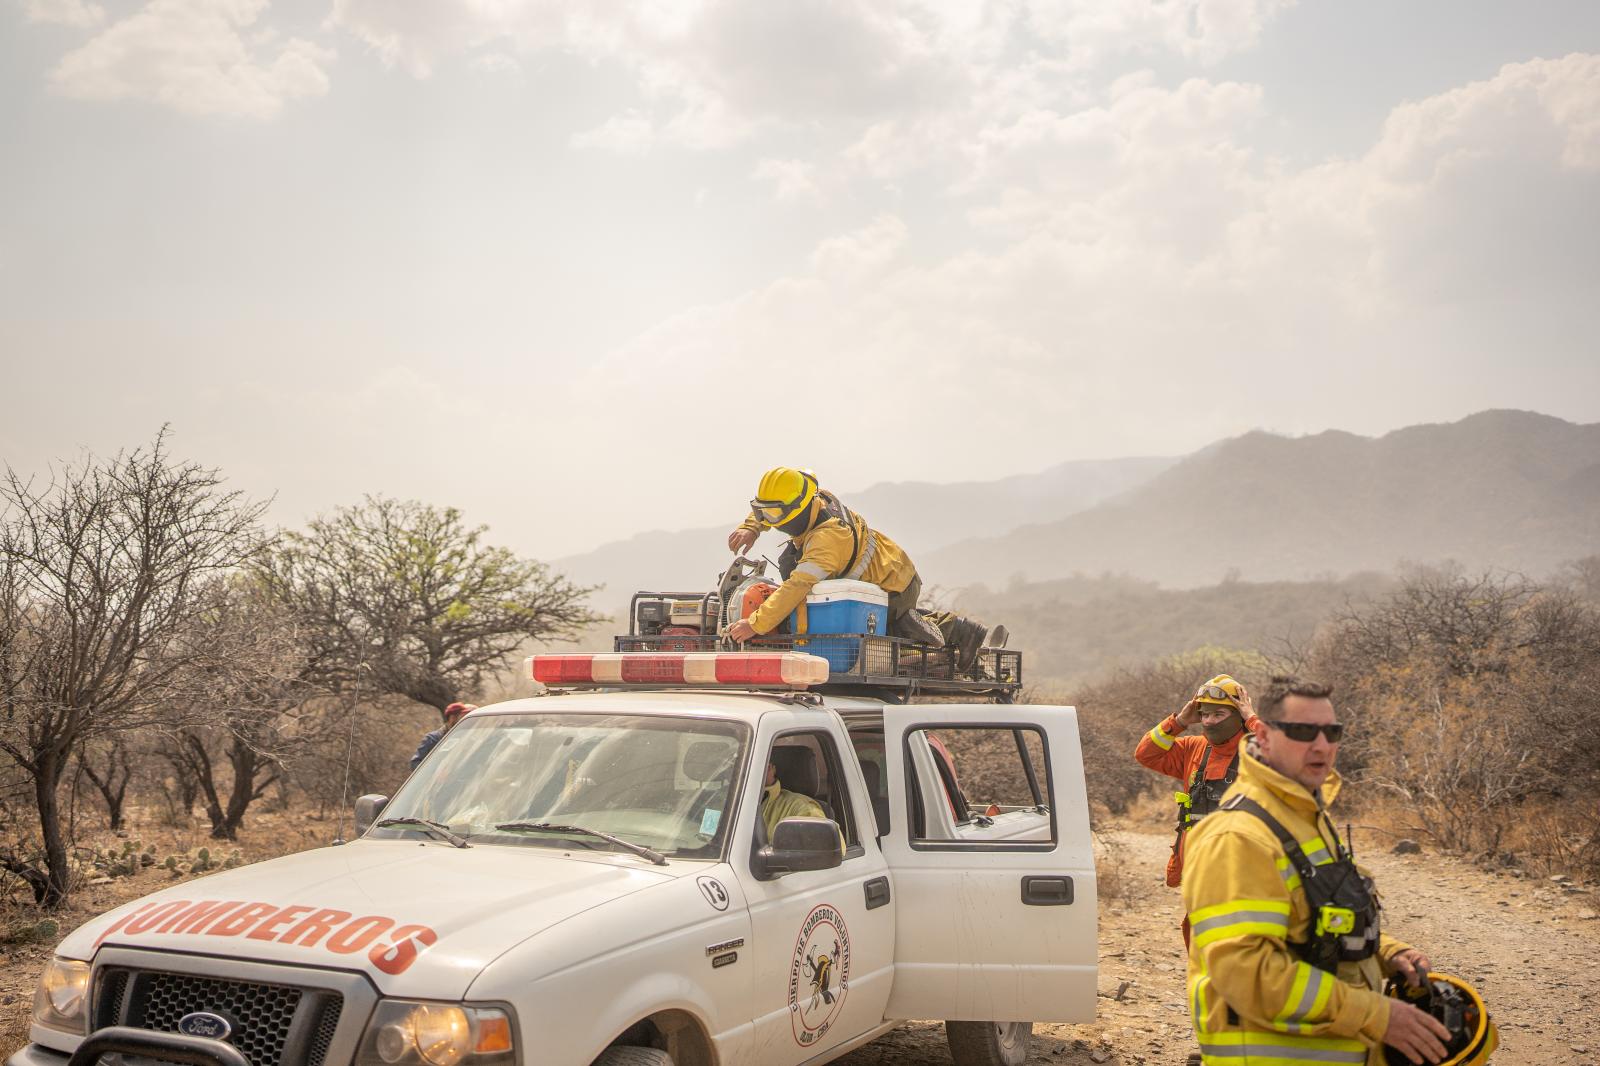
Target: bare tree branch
{"points": [[102, 568]]}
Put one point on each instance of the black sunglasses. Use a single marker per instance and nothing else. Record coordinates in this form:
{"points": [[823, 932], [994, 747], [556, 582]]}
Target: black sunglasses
{"points": [[1305, 732]]}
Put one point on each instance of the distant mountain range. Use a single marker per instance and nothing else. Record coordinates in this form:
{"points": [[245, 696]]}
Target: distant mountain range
{"points": [[1079, 629], [1503, 489], [921, 516]]}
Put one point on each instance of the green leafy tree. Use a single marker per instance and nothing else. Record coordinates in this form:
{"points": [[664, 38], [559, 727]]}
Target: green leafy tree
{"points": [[397, 597]]}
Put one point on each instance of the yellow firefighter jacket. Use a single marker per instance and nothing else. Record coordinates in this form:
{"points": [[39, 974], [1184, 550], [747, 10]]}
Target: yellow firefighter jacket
{"points": [[778, 803], [825, 551], [1254, 1002]]}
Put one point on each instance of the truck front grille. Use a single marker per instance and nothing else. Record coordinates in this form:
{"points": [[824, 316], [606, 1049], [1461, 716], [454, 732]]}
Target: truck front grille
{"points": [[273, 1025]]}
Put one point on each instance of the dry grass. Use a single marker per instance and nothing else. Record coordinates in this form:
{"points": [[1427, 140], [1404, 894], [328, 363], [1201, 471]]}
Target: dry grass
{"points": [[266, 835]]}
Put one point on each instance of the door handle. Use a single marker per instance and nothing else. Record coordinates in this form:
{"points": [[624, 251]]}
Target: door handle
{"points": [[877, 892], [1047, 891]]}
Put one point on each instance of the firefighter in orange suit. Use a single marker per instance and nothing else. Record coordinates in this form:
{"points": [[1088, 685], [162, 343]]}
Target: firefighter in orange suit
{"points": [[1206, 765]]}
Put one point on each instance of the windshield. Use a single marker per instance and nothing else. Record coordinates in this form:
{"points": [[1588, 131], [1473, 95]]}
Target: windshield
{"points": [[663, 783]]}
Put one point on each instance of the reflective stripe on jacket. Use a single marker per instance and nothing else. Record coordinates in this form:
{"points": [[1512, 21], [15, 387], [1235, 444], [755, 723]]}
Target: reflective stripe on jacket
{"points": [[825, 551], [1252, 999], [1165, 750]]}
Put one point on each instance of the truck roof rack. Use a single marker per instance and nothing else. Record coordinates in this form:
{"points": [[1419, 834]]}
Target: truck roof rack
{"points": [[866, 665]]}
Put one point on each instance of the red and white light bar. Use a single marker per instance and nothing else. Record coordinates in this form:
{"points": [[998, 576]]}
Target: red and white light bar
{"points": [[747, 669]]}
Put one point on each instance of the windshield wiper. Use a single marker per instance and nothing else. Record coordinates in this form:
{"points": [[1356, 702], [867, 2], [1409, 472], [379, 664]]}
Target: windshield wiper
{"points": [[434, 829], [550, 827]]}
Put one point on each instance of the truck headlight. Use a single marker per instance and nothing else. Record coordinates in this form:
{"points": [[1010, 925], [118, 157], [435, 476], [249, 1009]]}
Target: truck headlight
{"points": [[62, 999], [408, 1033]]}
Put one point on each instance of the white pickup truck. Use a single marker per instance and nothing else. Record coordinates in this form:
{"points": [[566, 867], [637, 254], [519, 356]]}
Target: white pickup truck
{"points": [[588, 878]]}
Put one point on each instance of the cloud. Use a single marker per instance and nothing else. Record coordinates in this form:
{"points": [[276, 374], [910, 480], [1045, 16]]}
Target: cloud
{"points": [[1207, 31], [194, 56], [79, 14], [712, 73], [496, 64], [630, 133], [1485, 192], [792, 179], [418, 36], [853, 257], [1140, 239]]}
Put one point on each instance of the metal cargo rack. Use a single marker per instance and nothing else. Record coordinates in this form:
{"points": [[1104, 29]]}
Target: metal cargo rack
{"points": [[866, 665]]}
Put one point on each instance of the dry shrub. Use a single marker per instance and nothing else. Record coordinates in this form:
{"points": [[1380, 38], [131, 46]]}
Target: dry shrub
{"points": [[1110, 865], [1556, 837], [1455, 766], [1472, 701], [1115, 713], [360, 749]]}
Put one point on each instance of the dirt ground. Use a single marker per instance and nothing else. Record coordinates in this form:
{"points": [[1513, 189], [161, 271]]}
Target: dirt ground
{"points": [[1528, 944]]}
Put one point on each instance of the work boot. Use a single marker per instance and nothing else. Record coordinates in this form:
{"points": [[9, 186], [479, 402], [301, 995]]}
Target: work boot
{"points": [[997, 637], [968, 639], [914, 625]]}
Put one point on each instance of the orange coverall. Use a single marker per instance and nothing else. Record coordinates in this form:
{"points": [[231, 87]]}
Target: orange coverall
{"points": [[1165, 750]]}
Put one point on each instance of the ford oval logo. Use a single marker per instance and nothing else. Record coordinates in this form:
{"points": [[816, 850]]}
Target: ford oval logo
{"points": [[204, 1023]]}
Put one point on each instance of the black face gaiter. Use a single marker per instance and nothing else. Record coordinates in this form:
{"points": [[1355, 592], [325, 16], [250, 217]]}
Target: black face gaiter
{"points": [[799, 523], [1224, 730]]}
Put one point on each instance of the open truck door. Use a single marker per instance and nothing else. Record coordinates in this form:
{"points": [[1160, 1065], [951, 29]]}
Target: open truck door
{"points": [[993, 865]]}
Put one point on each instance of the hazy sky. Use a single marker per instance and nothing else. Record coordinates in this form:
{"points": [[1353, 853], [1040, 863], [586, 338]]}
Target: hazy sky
{"points": [[586, 268]]}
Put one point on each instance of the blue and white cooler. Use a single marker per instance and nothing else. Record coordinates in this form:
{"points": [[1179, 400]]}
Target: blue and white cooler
{"points": [[841, 607]]}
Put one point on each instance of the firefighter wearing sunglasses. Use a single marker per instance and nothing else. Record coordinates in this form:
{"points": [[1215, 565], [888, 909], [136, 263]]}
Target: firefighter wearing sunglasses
{"points": [[827, 540], [1286, 959], [1204, 765]]}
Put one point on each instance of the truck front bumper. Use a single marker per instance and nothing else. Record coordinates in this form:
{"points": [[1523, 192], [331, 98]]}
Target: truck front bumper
{"points": [[38, 1055], [141, 1043]]}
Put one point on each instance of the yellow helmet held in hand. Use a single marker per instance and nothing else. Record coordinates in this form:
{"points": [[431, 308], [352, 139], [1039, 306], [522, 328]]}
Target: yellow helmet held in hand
{"points": [[1459, 1008], [1222, 690], [783, 494]]}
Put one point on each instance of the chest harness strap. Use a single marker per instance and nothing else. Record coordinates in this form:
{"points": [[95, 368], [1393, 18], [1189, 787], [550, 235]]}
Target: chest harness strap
{"points": [[832, 507], [1344, 905], [1204, 796]]}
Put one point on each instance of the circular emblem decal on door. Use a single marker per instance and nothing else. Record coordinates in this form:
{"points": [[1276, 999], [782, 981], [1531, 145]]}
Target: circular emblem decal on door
{"points": [[819, 974]]}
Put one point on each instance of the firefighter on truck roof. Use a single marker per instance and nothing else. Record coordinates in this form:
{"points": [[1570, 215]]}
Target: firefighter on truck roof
{"points": [[827, 540]]}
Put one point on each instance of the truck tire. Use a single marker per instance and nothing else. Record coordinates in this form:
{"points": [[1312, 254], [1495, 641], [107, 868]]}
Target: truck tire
{"points": [[622, 1055], [988, 1043]]}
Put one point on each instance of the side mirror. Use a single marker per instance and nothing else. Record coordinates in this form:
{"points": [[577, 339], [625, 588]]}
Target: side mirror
{"points": [[367, 810], [798, 844]]}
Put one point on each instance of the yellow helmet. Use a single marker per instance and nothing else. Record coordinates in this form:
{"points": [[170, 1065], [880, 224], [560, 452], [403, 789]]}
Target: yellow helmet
{"points": [[1222, 690], [783, 494], [1459, 1008]]}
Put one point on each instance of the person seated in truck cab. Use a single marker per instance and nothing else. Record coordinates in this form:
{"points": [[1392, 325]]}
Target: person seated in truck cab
{"points": [[778, 802], [827, 540], [798, 767]]}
